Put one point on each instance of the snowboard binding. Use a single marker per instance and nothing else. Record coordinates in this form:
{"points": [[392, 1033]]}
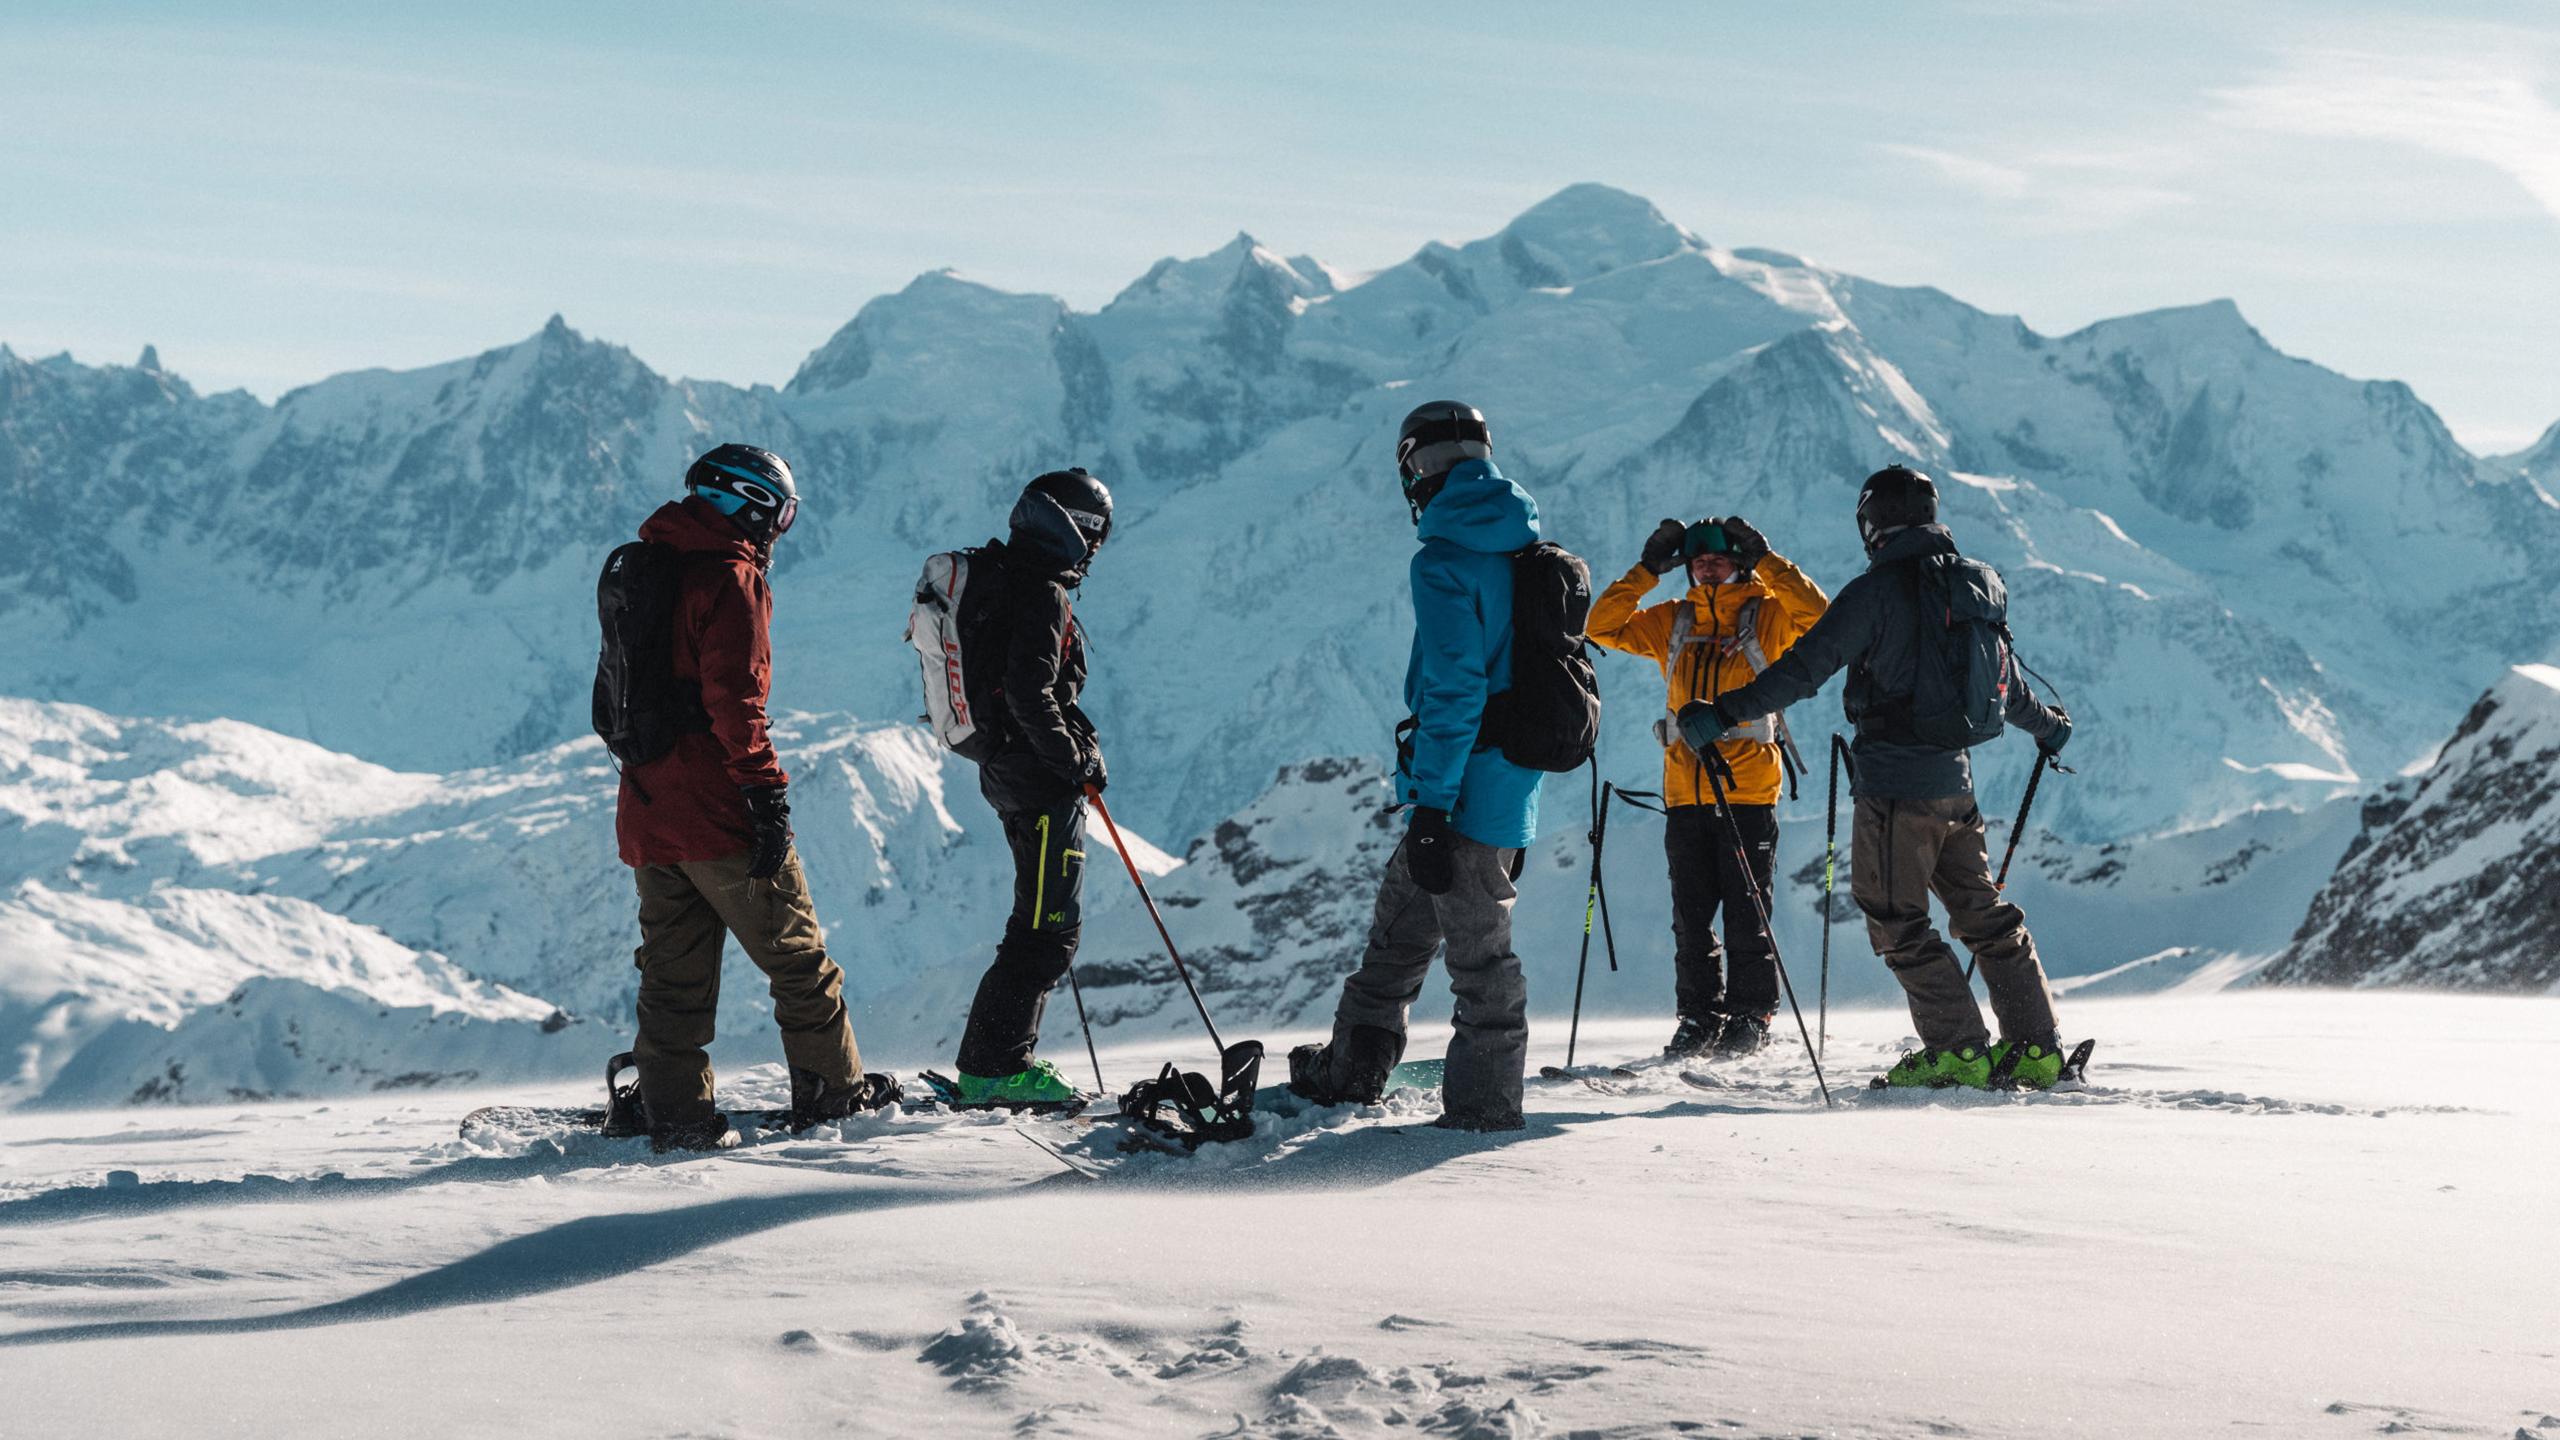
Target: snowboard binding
{"points": [[1180, 1109]]}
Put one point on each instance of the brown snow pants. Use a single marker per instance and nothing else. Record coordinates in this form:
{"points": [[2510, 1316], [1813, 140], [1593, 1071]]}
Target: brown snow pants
{"points": [[1902, 852], [685, 911]]}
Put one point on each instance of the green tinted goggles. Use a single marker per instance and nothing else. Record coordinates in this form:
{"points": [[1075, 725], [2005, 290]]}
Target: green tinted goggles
{"points": [[1707, 537]]}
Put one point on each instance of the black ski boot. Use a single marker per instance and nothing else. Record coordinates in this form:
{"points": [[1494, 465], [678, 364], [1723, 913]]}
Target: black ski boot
{"points": [[706, 1130], [1742, 1034], [1356, 1076], [1696, 1033], [816, 1100]]}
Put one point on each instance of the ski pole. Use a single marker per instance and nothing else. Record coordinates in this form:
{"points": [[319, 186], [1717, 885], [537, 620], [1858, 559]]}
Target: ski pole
{"points": [[1094, 794], [1830, 853], [1076, 988], [2017, 832], [1590, 902], [1717, 770]]}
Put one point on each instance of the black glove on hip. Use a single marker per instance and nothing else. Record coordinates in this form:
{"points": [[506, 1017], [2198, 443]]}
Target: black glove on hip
{"points": [[769, 816], [1662, 547], [1430, 851]]}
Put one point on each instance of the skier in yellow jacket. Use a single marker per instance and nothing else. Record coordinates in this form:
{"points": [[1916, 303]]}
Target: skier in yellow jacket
{"points": [[1744, 607]]}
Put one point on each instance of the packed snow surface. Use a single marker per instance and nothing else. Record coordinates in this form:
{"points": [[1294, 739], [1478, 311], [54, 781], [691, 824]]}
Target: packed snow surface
{"points": [[2301, 1214]]}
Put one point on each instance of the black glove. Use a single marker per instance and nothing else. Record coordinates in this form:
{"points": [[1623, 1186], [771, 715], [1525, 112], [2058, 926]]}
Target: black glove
{"points": [[1428, 851], [1750, 547], [769, 815], [1095, 775], [1662, 547], [2052, 744], [1702, 724]]}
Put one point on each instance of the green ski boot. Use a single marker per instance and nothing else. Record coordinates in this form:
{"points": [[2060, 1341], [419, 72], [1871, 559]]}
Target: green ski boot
{"points": [[1926, 1069], [2038, 1066], [1039, 1085]]}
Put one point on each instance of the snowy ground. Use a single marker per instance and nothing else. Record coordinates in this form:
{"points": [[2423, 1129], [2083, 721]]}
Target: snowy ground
{"points": [[2273, 1214]]}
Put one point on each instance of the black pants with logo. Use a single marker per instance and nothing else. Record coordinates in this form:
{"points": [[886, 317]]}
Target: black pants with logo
{"points": [[1704, 880], [1039, 939]]}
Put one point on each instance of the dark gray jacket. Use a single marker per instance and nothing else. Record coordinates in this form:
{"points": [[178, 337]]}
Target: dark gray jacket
{"points": [[1873, 627]]}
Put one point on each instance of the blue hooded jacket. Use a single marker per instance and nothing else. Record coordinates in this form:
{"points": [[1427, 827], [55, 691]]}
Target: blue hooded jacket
{"points": [[1461, 580]]}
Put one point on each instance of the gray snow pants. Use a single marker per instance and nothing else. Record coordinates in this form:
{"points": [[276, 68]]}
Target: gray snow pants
{"points": [[1901, 852], [1491, 1038]]}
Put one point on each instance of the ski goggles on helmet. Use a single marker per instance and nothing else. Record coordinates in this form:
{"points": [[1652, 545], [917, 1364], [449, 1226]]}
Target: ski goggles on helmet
{"points": [[743, 492]]}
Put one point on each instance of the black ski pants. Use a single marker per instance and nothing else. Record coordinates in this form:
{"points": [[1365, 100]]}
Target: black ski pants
{"points": [[1039, 939], [1704, 880]]}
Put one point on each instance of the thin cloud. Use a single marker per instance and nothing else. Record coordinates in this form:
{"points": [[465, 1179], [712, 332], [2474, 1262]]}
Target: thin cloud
{"points": [[2055, 191], [1985, 177], [2491, 110]]}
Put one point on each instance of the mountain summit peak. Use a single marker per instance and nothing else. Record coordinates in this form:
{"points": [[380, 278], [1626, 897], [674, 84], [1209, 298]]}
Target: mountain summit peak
{"points": [[1583, 231]]}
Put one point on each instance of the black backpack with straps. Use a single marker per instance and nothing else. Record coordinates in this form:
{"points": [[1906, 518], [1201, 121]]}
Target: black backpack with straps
{"points": [[1550, 717], [640, 706]]}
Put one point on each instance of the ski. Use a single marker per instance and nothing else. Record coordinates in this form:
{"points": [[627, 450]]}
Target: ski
{"points": [[1074, 1166], [1587, 1072], [2075, 1066]]}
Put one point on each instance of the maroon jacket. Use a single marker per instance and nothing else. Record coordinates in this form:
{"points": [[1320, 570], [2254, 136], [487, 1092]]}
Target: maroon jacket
{"points": [[724, 617]]}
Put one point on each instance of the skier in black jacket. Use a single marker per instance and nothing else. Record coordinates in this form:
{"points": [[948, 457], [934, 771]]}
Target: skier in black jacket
{"points": [[1047, 755], [1917, 830]]}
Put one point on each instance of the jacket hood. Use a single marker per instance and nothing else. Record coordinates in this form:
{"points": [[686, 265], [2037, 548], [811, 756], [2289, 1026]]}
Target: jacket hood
{"points": [[1040, 534], [1916, 540], [1480, 510], [695, 528]]}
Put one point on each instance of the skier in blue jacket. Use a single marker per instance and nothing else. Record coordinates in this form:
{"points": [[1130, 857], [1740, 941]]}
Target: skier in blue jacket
{"points": [[1450, 881]]}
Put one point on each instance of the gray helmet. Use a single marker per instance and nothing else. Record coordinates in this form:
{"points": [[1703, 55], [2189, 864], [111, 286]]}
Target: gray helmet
{"points": [[1895, 498], [1435, 439]]}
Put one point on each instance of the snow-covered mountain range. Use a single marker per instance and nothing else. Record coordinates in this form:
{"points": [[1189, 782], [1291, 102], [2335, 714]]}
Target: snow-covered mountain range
{"points": [[2254, 579], [2260, 586], [206, 911], [2454, 879]]}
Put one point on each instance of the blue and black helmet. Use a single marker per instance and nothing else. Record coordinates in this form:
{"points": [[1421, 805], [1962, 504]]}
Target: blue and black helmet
{"points": [[752, 487]]}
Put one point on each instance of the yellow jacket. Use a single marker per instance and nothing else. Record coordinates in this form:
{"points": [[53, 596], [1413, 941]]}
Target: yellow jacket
{"points": [[1789, 604]]}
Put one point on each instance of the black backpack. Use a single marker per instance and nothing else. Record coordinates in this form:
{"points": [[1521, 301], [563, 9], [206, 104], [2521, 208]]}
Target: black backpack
{"points": [[1550, 717], [1960, 684], [640, 707]]}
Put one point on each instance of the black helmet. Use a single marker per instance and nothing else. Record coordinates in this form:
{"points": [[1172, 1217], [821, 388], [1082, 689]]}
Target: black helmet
{"points": [[1435, 439], [752, 487], [1065, 513], [1893, 498]]}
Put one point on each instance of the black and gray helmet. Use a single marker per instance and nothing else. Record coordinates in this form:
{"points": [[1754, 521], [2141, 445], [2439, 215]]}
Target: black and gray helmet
{"points": [[752, 487], [1895, 498], [1065, 513], [1435, 439]]}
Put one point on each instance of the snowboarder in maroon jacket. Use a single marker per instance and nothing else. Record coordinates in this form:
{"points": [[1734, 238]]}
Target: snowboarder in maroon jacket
{"points": [[706, 827]]}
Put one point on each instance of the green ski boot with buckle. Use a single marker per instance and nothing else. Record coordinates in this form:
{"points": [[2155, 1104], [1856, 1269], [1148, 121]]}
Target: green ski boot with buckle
{"points": [[2038, 1065], [1039, 1085], [1927, 1069]]}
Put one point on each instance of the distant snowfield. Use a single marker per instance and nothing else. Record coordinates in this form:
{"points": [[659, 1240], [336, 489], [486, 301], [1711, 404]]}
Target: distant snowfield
{"points": [[2296, 1214]]}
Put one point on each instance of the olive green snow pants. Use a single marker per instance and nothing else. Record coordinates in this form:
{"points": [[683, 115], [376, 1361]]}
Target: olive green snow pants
{"points": [[685, 910], [1903, 851]]}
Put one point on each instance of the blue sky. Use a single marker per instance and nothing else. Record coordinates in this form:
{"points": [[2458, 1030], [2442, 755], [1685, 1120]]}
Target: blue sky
{"points": [[273, 193]]}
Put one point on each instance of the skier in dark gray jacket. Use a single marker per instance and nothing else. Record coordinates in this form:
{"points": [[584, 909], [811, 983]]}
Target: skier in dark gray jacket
{"points": [[1917, 829]]}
